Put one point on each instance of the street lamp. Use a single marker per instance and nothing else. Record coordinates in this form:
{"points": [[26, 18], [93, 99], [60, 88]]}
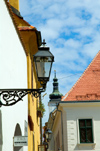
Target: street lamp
{"points": [[43, 62], [48, 133]]}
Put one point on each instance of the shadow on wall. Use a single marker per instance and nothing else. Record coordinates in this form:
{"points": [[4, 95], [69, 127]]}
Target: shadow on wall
{"points": [[18, 133], [1, 136]]}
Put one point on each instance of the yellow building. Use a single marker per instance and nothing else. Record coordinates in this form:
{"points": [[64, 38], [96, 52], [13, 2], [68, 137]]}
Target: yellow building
{"points": [[31, 40]]}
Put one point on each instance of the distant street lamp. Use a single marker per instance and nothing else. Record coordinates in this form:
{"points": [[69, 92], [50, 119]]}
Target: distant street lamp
{"points": [[48, 133], [43, 62]]}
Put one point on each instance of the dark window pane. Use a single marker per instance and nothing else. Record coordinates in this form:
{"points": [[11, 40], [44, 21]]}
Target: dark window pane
{"points": [[82, 135], [89, 135], [82, 123], [86, 134], [88, 122]]}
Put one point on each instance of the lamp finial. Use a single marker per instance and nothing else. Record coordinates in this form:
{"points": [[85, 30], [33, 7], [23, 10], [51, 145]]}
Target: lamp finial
{"points": [[43, 42]]}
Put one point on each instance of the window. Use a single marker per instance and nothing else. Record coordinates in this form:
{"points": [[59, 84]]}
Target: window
{"points": [[86, 130]]}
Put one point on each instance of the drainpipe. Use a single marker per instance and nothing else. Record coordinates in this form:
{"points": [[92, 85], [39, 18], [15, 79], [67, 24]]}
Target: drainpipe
{"points": [[40, 123], [51, 129], [52, 119], [61, 128]]}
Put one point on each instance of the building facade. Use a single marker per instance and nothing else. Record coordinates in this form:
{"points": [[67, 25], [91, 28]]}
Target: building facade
{"points": [[13, 74], [19, 41], [76, 121], [55, 99]]}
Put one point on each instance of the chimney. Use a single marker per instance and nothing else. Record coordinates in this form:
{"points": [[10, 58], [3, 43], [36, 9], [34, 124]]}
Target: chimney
{"points": [[14, 3]]}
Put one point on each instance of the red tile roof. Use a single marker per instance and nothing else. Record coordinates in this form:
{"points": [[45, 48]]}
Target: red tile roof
{"points": [[88, 85]]}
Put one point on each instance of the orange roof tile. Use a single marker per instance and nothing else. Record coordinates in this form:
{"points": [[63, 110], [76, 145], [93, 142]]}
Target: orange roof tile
{"points": [[23, 28], [88, 85]]}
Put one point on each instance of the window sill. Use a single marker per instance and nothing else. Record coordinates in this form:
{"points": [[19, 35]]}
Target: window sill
{"points": [[87, 144]]}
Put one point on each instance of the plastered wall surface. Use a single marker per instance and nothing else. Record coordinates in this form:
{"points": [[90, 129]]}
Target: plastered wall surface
{"points": [[13, 74]]}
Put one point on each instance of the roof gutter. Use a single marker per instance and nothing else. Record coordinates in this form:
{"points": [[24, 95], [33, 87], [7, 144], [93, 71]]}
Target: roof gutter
{"points": [[87, 101]]}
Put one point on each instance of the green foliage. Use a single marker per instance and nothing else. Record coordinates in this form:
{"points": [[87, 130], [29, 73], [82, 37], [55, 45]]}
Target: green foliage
{"points": [[41, 108]]}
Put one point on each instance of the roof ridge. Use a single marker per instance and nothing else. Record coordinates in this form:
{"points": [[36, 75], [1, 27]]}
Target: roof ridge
{"points": [[66, 95]]}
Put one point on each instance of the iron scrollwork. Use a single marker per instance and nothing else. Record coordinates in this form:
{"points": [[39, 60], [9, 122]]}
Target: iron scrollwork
{"points": [[10, 97]]}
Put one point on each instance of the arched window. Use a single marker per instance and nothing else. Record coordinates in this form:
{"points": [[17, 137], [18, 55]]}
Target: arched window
{"points": [[18, 133], [18, 130]]}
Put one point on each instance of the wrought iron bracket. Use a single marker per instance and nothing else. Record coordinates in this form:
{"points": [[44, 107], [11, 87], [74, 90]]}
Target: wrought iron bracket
{"points": [[9, 97]]}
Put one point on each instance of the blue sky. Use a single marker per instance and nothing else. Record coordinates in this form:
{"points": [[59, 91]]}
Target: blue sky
{"points": [[71, 29]]}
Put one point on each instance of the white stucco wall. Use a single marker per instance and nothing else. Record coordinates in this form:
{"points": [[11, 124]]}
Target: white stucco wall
{"points": [[71, 129], [71, 113], [13, 74]]}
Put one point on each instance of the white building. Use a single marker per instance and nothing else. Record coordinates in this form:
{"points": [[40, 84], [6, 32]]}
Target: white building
{"points": [[13, 74], [76, 124]]}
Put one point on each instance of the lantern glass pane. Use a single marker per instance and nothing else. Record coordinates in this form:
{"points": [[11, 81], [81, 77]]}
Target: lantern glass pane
{"points": [[50, 136], [47, 136], [43, 69], [43, 66]]}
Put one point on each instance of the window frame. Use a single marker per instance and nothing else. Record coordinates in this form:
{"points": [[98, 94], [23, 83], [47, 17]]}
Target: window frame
{"points": [[85, 127], [80, 145]]}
